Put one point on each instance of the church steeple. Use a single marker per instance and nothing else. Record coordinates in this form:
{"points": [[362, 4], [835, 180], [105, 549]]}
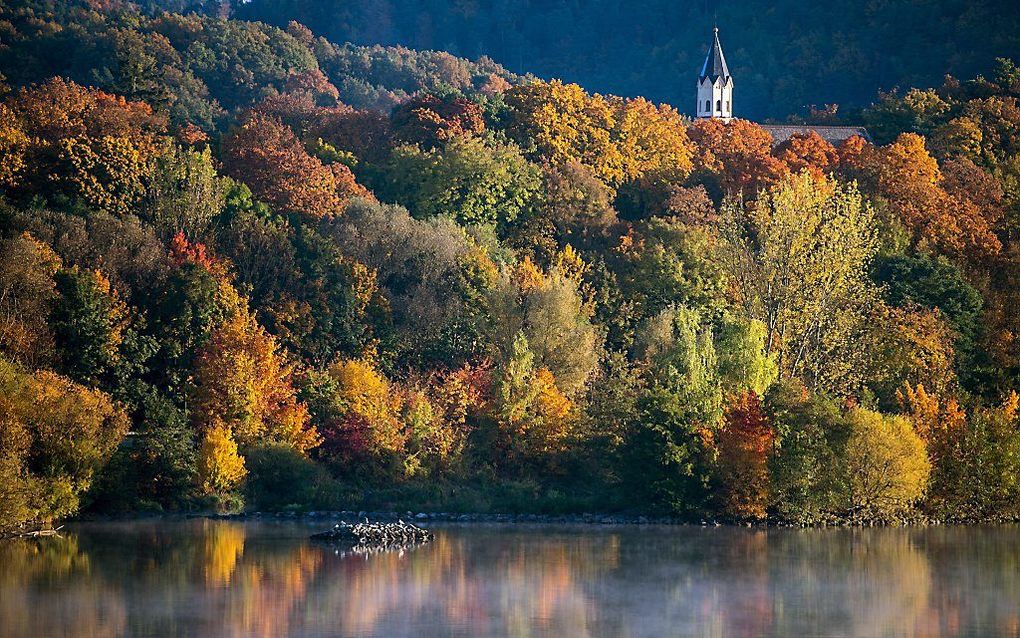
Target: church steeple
{"points": [[715, 84], [715, 63]]}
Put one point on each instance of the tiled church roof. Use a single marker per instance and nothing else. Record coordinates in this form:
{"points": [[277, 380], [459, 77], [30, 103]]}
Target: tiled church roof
{"points": [[831, 134]]}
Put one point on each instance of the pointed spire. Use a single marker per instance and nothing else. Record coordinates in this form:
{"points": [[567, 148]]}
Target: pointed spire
{"points": [[715, 63]]}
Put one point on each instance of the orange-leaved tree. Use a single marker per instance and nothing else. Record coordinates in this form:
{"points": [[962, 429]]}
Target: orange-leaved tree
{"points": [[739, 152], [952, 222], [243, 379], [744, 444], [267, 156], [91, 145], [808, 151]]}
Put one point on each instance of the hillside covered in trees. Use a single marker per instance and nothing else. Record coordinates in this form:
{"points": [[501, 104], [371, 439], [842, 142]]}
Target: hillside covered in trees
{"points": [[785, 56], [241, 266], [200, 70]]}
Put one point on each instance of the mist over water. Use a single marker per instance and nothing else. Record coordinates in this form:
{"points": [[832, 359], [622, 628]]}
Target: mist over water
{"points": [[223, 578]]}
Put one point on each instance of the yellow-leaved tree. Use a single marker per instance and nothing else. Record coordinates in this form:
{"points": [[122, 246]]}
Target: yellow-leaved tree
{"points": [[619, 140], [54, 435], [651, 139], [799, 256], [373, 405], [220, 467], [13, 142], [27, 290], [432, 439], [565, 123], [886, 464]]}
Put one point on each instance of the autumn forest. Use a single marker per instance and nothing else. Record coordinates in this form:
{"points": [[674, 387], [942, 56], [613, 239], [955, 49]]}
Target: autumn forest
{"points": [[243, 267]]}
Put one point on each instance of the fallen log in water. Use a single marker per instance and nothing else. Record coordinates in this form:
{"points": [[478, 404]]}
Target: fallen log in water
{"points": [[379, 534], [38, 533]]}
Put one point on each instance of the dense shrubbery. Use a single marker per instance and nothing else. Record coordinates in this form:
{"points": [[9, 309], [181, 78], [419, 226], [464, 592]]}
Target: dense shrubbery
{"points": [[571, 301]]}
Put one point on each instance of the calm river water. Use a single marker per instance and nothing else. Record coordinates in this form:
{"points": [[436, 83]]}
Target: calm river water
{"points": [[223, 578]]}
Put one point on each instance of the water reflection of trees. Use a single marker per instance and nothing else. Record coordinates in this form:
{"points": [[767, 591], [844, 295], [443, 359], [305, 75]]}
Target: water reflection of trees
{"points": [[481, 584], [30, 607], [875, 582], [205, 578], [200, 579]]}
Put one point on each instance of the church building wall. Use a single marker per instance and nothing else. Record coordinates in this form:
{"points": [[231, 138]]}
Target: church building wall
{"points": [[715, 99]]}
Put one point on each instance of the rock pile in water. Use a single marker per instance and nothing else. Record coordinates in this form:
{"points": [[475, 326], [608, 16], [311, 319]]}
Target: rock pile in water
{"points": [[379, 534]]}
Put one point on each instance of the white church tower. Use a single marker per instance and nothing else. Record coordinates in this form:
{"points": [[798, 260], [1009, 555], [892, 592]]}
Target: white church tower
{"points": [[715, 84]]}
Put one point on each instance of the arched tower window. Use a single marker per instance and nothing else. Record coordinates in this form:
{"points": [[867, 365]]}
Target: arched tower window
{"points": [[718, 105], [708, 105]]}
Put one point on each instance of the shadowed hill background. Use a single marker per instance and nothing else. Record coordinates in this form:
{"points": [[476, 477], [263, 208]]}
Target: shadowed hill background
{"points": [[784, 55], [199, 68]]}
